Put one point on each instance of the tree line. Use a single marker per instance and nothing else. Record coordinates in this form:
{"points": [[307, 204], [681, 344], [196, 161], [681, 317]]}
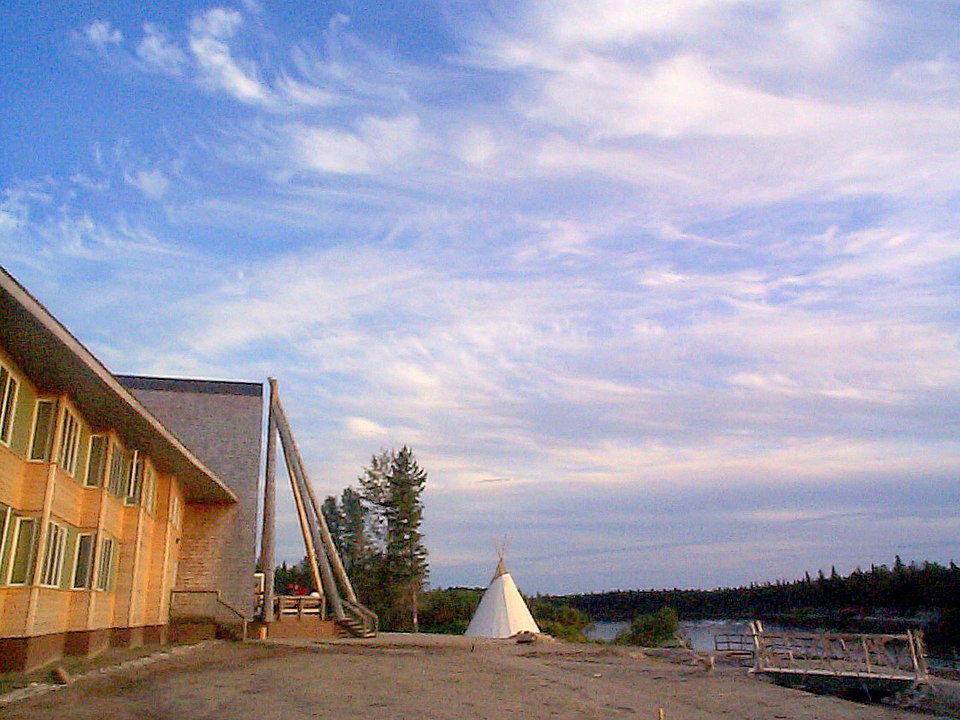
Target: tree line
{"points": [[882, 599], [376, 528]]}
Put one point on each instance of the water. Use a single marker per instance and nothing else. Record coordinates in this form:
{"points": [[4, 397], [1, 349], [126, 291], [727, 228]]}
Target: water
{"points": [[699, 634]]}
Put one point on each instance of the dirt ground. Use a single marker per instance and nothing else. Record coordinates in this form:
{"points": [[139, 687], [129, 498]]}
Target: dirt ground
{"points": [[422, 677]]}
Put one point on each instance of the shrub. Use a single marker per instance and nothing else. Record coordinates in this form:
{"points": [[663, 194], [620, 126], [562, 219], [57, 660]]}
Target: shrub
{"points": [[651, 630]]}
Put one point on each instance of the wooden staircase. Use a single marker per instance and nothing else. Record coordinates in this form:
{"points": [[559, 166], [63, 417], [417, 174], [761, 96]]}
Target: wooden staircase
{"points": [[359, 622]]}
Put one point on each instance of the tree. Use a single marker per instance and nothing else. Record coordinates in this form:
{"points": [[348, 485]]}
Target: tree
{"points": [[406, 555], [387, 514], [652, 630]]}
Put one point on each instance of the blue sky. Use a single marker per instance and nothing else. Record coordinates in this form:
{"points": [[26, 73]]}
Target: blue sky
{"points": [[667, 292]]}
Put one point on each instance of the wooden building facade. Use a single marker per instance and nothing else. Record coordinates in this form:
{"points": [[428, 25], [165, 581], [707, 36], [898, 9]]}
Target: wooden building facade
{"points": [[104, 511]]}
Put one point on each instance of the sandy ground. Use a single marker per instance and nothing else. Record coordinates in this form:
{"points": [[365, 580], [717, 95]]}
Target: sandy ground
{"points": [[428, 678]]}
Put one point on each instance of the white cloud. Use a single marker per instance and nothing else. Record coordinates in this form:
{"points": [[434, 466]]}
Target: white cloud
{"points": [[218, 68], [363, 427], [100, 34], [623, 21], [216, 22], [477, 146], [153, 183], [378, 144], [158, 53], [677, 98], [932, 76], [824, 30]]}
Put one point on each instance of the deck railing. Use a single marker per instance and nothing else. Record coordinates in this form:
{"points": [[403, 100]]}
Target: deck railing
{"points": [[207, 605]]}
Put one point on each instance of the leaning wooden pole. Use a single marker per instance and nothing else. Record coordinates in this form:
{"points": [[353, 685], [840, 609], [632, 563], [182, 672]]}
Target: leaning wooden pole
{"points": [[331, 546], [326, 573], [268, 536], [304, 524], [298, 479]]}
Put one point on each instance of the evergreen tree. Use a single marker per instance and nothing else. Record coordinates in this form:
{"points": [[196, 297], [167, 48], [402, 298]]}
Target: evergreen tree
{"points": [[382, 532], [406, 555], [334, 519]]}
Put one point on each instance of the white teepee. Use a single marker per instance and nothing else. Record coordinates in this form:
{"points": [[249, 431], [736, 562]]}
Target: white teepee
{"points": [[502, 612]]}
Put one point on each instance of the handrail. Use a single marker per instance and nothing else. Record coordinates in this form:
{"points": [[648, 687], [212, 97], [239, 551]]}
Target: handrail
{"points": [[369, 618], [218, 599]]}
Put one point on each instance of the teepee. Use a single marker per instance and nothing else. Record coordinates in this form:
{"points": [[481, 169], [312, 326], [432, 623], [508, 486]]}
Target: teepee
{"points": [[502, 613]]}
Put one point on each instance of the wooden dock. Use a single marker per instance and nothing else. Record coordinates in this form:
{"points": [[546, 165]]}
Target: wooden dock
{"points": [[840, 663]]}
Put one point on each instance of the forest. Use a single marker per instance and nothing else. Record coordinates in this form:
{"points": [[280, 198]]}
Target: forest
{"points": [[881, 599]]}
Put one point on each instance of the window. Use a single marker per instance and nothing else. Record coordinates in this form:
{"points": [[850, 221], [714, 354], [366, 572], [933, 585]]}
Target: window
{"points": [[43, 421], [105, 569], [135, 479], [4, 525], [176, 511], [69, 443], [119, 471], [96, 460], [150, 489], [23, 548], [83, 565], [53, 555], [8, 403]]}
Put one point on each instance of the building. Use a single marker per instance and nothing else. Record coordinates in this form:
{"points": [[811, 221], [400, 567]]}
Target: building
{"points": [[124, 501]]}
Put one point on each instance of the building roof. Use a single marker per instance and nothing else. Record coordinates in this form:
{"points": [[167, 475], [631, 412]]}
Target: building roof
{"points": [[57, 362]]}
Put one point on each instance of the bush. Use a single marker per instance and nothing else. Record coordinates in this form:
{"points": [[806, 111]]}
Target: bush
{"points": [[651, 630], [559, 620], [448, 611]]}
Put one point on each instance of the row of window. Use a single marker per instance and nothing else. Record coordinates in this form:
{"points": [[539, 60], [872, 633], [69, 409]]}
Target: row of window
{"points": [[131, 478], [68, 555]]}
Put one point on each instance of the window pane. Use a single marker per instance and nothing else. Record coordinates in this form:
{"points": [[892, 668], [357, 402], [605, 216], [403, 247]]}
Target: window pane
{"points": [[136, 480], [23, 551], [53, 555], [8, 390], [69, 442], [4, 524], [119, 469], [43, 429], [105, 570], [96, 460], [81, 575]]}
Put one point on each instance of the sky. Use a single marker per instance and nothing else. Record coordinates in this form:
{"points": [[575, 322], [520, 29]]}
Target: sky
{"points": [[666, 292]]}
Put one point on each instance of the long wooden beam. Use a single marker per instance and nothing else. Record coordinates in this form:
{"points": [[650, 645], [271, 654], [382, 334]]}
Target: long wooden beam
{"points": [[267, 538], [304, 523], [330, 545], [299, 482]]}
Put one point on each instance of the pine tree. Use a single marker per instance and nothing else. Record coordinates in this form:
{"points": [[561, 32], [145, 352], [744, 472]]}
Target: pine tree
{"points": [[396, 559], [406, 555]]}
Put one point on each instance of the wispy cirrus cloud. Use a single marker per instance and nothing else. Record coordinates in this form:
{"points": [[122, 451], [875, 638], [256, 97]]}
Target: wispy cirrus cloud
{"points": [[158, 53], [650, 262]]}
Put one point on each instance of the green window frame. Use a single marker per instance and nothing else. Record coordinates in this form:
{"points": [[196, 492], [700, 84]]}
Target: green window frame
{"points": [[53, 555], [96, 460], [83, 561], [44, 420], [69, 442], [9, 389], [120, 461], [5, 514], [108, 548], [24, 546], [134, 479]]}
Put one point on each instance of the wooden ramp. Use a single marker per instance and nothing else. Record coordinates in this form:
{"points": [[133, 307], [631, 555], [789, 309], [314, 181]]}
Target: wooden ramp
{"points": [[840, 663]]}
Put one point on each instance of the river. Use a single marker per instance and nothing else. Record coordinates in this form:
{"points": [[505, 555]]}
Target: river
{"points": [[699, 634]]}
